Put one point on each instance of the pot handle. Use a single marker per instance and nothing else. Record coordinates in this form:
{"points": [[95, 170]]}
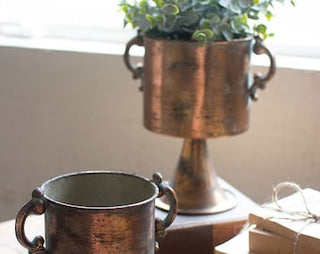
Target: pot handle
{"points": [[34, 206], [165, 189], [136, 69], [259, 81]]}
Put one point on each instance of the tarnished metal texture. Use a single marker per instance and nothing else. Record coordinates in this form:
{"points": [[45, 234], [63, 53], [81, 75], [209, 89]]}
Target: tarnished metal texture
{"points": [[196, 184], [198, 92], [97, 212]]}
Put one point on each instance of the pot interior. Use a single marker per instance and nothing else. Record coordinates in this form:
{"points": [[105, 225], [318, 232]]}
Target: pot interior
{"points": [[99, 189]]}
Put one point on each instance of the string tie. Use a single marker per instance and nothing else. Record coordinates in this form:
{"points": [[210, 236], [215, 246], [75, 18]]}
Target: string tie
{"points": [[295, 215], [303, 214]]}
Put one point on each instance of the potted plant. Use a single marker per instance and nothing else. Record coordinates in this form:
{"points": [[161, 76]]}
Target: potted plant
{"points": [[202, 20], [196, 80]]}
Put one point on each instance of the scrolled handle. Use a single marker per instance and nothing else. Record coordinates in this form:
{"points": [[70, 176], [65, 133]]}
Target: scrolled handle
{"points": [[259, 81], [136, 69], [165, 189], [34, 206]]}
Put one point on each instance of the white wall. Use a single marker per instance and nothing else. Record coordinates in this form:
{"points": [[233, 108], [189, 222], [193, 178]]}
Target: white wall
{"points": [[63, 111]]}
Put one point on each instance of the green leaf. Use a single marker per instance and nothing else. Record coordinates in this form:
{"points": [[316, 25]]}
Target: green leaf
{"points": [[154, 21], [239, 24], [244, 4], [143, 6], [232, 5], [158, 3], [202, 36], [124, 8], [143, 3], [244, 18], [236, 25], [252, 14], [261, 30], [215, 19], [189, 18], [207, 32], [227, 34], [170, 9], [205, 23], [269, 15], [150, 18]]}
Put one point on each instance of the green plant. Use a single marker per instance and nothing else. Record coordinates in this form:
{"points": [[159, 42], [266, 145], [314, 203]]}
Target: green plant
{"points": [[201, 20]]}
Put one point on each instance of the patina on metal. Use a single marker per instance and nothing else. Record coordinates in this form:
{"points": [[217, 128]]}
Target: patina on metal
{"points": [[196, 184], [97, 212], [198, 92]]}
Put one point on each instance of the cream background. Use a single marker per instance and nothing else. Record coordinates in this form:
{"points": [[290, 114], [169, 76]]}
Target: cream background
{"points": [[64, 111]]}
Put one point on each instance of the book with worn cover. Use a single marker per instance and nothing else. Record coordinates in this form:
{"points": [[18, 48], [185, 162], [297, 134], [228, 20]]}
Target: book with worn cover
{"points": [[264, 242], [236, 245]]}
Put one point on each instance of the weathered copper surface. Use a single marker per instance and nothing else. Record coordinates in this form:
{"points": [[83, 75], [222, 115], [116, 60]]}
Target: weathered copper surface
{"points": [[97, 212], [196, 184], [198, 92]]}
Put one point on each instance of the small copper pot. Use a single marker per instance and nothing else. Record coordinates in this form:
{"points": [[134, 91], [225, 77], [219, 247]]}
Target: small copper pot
{"points": [[97, 212], [198, 92]]}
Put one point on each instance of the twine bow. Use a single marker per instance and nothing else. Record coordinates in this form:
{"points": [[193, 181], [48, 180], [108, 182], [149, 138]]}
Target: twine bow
{"points": [[304, 215], [295, 215]]}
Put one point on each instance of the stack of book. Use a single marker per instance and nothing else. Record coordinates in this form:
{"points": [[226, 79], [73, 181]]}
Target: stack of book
{"points": [[290, 230]]}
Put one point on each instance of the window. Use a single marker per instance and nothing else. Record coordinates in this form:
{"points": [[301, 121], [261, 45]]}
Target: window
{"points": [[94, 20], [295, 28]]}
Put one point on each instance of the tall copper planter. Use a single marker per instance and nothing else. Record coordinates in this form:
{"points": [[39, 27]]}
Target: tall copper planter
{"points": [[198, 92]]}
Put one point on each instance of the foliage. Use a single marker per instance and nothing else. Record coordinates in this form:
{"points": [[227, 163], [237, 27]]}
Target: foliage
{"points": [[201, 20]]}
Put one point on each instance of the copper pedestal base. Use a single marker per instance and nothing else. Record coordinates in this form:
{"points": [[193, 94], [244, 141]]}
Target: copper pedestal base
{"points": [[195, 183]]}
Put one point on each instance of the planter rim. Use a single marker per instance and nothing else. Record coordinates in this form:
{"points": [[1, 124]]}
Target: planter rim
{"points": [[177, 41]]}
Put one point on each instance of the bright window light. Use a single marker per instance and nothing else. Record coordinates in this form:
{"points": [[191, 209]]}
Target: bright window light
{"points": [[93, 20], [295, 28]]}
